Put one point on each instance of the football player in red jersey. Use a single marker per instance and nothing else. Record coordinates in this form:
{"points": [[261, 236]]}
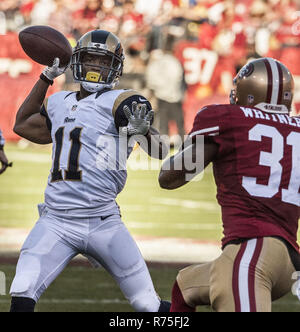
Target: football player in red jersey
{"points": [[254, 146]]}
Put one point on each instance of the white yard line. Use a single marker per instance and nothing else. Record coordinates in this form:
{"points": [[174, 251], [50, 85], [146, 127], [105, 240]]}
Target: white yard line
{"points": [[78, 301], [174, 225], [154, 249], [206, 205], [29, 157], [16, 206]]}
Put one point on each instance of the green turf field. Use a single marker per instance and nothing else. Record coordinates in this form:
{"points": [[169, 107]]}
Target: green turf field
{"points": [[147, 209], [189, 212], [81, 289]]}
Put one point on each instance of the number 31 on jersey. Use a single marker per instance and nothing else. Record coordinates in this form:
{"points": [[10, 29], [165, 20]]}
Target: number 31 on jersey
{"points": [[272, 159]]}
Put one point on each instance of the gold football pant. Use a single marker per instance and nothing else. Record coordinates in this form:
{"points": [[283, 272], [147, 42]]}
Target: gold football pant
{"points": [[246, 277]]}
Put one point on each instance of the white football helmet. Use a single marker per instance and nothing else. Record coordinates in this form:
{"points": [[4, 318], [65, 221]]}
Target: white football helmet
{"points": [[103, 44]]}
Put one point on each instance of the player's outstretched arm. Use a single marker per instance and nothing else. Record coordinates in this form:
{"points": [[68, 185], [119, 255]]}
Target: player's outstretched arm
{"points": [[156, 147], [184, 165], [30, 124], [139, 124]]}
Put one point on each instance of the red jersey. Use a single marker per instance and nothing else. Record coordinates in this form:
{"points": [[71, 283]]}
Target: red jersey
{"points": [[257, 170]]}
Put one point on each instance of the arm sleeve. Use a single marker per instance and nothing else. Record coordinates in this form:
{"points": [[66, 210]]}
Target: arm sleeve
{"points": [[210, 123], [127, 98], [206, 123], [2, 140]]}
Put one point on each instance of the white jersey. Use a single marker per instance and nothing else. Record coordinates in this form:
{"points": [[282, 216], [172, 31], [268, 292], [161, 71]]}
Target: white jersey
{"points": [[88, 169]]}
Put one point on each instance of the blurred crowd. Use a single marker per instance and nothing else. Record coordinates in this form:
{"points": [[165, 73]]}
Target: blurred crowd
{"points": [[180, 51]]}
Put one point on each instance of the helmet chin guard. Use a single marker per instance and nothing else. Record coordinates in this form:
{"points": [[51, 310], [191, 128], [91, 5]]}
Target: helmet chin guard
{"points": [[96, 87]]}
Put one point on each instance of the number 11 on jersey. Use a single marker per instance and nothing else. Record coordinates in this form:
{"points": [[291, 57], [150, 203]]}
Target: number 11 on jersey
{"points": [[72, 173]]}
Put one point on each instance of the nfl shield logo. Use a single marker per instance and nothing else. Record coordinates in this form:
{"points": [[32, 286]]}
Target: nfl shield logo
{"points": [[250, 99]]}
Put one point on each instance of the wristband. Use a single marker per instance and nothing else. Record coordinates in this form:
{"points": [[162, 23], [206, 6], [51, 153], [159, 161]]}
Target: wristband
{"points": [[46, 79], [1, 147]]}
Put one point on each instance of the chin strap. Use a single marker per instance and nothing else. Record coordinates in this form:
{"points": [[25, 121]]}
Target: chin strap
{"points": [[96, 87]]}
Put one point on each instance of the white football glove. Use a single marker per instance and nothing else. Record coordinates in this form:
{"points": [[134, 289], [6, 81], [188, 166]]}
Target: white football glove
{"points": [[54, 71], [139, 120]]}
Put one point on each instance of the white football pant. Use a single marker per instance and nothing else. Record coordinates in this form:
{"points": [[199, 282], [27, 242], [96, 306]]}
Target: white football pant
{"points": [[55, 240]]}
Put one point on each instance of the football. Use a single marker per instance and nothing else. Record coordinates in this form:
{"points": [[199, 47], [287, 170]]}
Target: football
{"points": [[43, 44]]}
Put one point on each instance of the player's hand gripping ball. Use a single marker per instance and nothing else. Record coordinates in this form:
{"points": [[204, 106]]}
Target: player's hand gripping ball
{"points": [[51, 72]]}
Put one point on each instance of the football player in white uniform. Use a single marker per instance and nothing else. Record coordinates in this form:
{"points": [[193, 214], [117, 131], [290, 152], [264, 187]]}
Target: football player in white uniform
{"points": [[3, 159], [80, 214]]}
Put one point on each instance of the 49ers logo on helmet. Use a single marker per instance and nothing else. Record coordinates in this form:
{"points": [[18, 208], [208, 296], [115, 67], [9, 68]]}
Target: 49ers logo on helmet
{"points": [[246, 70]]}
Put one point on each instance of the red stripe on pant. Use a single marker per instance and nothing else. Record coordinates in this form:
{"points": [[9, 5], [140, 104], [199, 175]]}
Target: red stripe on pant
{"points": [[235, 277], [251, 276], [178, 302]]}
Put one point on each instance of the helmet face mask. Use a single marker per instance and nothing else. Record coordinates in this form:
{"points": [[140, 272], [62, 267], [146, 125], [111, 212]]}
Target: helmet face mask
{"points": [[107, 66], [264, 83], [97, 60]]}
